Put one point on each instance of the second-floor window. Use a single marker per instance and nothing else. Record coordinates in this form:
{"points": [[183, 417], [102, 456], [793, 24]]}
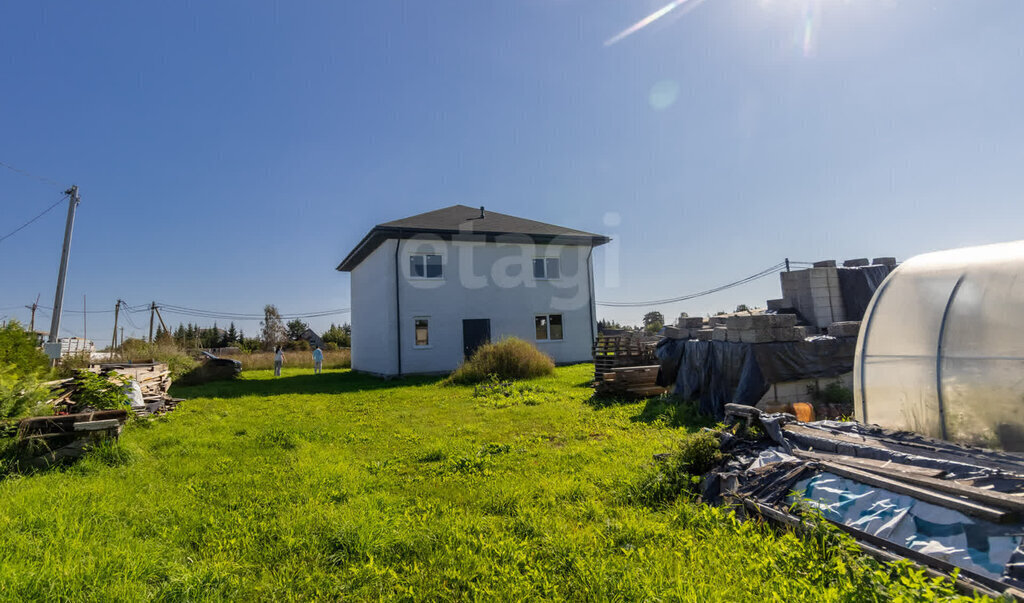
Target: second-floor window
{"points": [[425, 265], [546, 268]]}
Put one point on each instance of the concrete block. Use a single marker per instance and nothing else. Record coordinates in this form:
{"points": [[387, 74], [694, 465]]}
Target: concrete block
{"points": [[844, 328], [885, 261], [777, 304], [855, 263], [825, 264], [762, 335], [690, 322], [781, 320], [676, 333], [720, 334], [739, 321], [733, 335], [717, 321], [788, 333], [704, 334]]}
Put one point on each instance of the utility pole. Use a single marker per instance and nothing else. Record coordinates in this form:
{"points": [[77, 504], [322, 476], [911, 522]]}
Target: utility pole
{"points": [[85, 320], [787, 264], [32, 323], [122, 339], [162, 323], [58, 299], [152, 310], [113, 340]]}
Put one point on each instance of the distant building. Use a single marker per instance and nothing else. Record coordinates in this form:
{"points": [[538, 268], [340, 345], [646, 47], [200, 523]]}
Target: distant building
{"points": [[429, 289], [314, 340]]}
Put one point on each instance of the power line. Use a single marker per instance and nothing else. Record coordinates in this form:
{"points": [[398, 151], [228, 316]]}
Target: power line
{"points": [[30, 174], [44, 212], [661, 302]]}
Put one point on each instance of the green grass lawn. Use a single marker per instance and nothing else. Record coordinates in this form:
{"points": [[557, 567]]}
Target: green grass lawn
{"points": [[341, 486]]}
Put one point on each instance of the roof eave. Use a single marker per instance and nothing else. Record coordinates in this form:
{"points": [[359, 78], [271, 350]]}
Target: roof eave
{"points": [[379, 234]]}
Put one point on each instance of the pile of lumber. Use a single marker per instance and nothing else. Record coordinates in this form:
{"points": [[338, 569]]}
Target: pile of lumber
{"points": [[153, 378], [969, 529], [638, 381]]}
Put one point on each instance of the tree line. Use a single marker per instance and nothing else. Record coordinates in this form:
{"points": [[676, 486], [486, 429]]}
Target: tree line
{"points": [[274, 331]]}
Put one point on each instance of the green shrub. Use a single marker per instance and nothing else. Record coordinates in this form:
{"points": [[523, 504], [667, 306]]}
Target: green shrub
{"points": [[510, 358], [18, 350], [681, 471], [19, 394], [100, 392]]}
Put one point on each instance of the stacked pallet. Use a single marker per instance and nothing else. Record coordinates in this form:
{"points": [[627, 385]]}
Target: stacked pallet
{"points": [[638, 381], [46, 441], [624, 349]]}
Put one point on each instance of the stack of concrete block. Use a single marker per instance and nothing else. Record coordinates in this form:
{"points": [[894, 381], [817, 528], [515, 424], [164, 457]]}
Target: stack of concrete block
{"points": [[848, 328], [762, 328], [815, 294], [686, 327]]}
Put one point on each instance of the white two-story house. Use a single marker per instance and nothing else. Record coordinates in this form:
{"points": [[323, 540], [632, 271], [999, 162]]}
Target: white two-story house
{"points": [[429, 289]]}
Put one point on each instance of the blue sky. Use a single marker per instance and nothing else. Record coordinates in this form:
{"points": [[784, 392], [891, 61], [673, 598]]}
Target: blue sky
{"points": [[229, 154]]}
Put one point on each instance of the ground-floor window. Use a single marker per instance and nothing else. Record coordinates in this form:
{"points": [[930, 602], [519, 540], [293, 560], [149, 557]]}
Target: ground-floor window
{"points": [[549, 326], [422, 332]]}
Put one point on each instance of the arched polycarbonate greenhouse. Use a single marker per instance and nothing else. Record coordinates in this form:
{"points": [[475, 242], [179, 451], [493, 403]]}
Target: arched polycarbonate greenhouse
{"points": [[941, 347]]}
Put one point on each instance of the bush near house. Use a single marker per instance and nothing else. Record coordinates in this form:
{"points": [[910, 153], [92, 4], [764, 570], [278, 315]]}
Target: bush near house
{"points": [[509, 358]]}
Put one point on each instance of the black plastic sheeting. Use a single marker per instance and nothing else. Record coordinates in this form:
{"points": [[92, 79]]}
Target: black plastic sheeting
{"points": [[716, 373], [858, 285]]}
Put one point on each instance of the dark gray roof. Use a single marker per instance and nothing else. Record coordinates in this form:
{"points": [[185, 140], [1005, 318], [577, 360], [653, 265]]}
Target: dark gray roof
{"points": [[463, 220]]}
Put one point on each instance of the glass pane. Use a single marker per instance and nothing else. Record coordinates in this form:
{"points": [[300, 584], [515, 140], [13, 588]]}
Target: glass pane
{"points": [[433, 266], [416, 265], [541, 323], [538, 268], [421, 332], [556, 326], [552, 271]]}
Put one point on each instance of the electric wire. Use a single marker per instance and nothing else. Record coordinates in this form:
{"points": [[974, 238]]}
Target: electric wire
{"points": [[30, 174], [43, 213], [660, 302]]}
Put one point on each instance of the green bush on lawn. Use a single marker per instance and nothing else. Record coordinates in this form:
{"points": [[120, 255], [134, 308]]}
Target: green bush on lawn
{"points": [[510, 358]]}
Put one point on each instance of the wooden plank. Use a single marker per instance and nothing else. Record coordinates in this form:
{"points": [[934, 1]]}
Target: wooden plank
{"points": [[964, 506], [981, 495], [866, 464], [97, 425]]}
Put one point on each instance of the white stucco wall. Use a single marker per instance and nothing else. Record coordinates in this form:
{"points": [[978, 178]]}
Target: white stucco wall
{"points": [[481, 280], [373, 312]]}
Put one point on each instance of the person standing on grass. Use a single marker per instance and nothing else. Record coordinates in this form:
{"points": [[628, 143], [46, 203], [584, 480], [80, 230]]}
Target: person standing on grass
{"points": [[318, 361], [278, 361]]}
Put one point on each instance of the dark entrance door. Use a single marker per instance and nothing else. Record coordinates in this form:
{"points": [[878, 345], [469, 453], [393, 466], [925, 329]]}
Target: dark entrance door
{"points": [[475, 333]]}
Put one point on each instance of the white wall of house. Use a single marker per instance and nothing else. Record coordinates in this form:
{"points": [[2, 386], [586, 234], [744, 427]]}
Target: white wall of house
{"points": [[373, 310], [480, 280]]}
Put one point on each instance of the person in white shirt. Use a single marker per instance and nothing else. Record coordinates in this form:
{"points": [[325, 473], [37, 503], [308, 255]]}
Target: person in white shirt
{"points": [[278, 361], [318, 361]]}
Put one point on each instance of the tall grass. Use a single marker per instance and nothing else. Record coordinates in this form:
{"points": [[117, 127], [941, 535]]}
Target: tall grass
{"points": [[333, 359], [509, 358]]}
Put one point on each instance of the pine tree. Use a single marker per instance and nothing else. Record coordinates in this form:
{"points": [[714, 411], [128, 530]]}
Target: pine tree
{"points": [[232, 335]]}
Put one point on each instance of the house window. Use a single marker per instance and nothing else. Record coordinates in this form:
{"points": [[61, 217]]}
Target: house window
{"points": [[422, 331], [548, 326], [546, 268], [425, 265]]}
